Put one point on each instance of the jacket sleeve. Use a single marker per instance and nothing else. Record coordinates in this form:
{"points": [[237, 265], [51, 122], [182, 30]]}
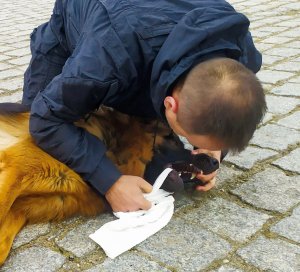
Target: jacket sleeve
{"points": [[87, 77]]}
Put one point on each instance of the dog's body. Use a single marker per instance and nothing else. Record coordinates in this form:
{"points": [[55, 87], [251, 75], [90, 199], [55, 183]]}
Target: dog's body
{"points": [[35, 187]]}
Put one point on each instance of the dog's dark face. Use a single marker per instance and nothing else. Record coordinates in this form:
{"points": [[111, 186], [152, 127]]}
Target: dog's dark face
{"points": [[186, 166]]}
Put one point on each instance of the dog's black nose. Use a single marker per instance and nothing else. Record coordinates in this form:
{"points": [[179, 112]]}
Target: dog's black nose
{"points": [[214, 162], [205, 163]]}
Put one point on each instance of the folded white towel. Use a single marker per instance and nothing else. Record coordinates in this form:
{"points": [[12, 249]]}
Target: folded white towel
{"points": [[132, 228]]}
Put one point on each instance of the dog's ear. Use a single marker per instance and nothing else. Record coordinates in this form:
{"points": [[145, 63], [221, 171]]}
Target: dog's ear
{"points": [[13, 108]]}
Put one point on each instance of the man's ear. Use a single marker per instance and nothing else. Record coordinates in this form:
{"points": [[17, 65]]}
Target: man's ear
{"points": [[171, 104]]}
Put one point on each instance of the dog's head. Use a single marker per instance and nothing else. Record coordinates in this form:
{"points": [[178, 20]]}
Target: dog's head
{"points": [[171, 153]]}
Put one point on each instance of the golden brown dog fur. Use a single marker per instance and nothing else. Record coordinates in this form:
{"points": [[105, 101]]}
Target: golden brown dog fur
{"points": [[35, 187]]}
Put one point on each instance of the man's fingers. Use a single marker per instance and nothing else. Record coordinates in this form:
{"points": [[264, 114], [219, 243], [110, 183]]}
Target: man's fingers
{"points": [[126, 194], [140, 204], [198, 151], [145, 204], [145, 186], [207, 186], [208, 177]]}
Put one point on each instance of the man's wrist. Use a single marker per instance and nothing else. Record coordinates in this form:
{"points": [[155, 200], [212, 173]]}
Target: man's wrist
{"points": [[105, 175]]}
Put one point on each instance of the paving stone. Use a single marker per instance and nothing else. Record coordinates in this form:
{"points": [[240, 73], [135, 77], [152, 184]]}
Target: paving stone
{"points": [[226, 174], [23, 68], [4, 48], [267, 59], [250, 156], [11, 84], [289, 227], [10, 73], [277, 40], [288, 89], [227, 219], [291, 66], [281, 105], [256, 24], [260, 34], [181, 201], [39, 259], [273, 29], [3, 57], [292, 121], [284, 51], [263, 47], [22, 44], [267, 86], [13, 40], [295, 6], [275, 137], [291, 33], [268, 116], [295, 44], [129, 262], [269, 76], [185, 247], [77, 240], [295, 80], [272, 255], [21, 61], [30, 233], [16, 97], [228, 268], [290, 23], [19, 52], [270, 190], [4, 66], [291, 162]]}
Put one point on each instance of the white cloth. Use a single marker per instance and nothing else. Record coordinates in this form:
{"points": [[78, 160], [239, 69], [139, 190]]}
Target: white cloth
{"points": [[132, 228]]}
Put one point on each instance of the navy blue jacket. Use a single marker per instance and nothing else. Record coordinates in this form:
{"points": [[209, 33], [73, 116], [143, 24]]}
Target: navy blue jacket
{"points": [[124, 54]]}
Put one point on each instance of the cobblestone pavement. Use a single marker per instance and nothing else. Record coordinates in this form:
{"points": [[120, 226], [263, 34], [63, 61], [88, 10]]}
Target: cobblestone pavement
{"points": [[250, 222]]}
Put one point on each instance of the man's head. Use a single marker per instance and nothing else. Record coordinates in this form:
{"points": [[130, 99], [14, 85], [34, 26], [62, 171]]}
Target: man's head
{"points": [[217, 105]]}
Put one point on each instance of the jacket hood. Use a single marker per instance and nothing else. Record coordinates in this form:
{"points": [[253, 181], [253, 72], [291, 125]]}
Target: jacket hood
{"points": [[201, 34]]}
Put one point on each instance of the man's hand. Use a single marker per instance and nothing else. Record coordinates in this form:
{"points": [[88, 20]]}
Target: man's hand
{"points": [[210, 180], [127, 194]]}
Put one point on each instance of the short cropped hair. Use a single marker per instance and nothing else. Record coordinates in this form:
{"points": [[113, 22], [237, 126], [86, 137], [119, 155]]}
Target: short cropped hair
{"points": [[220, 97]]}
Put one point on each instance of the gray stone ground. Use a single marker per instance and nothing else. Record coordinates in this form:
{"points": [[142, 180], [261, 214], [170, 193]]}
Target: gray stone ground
{"points": [[250, 222]]}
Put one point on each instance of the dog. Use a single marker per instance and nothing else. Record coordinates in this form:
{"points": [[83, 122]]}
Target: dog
{"points": [[35, 187]]}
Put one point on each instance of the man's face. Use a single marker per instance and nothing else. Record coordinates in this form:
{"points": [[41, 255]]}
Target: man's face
{"points": [[207, 142]]}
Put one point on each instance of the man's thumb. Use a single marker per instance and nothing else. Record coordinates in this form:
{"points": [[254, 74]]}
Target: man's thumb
{"points": [[145, 186]]}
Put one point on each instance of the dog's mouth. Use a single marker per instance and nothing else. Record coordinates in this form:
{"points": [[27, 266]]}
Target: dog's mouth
{"points": [[201, 163], [186, 168], [186, 171]]}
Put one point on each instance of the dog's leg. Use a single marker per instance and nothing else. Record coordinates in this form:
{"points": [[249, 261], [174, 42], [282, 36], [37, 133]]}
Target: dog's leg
{"points": [[8, 190], [56, 207], [45, 208], [13, 223]]}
